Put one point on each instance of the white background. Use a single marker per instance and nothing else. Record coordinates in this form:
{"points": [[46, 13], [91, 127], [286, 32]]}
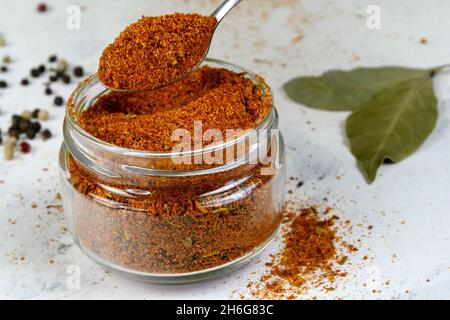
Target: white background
{"points": [[408, 205]]}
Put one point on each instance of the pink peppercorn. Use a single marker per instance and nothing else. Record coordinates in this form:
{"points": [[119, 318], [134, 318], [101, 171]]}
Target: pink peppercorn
{"points": [[42, 7], [25, 147]]}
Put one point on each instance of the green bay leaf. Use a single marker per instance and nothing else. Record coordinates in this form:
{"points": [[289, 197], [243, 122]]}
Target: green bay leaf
{"points": [[347, 90], [392, 124]]}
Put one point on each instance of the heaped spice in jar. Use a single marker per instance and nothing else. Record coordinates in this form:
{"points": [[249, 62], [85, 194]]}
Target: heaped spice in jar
{"points": [[156, 50], [219, 98]]}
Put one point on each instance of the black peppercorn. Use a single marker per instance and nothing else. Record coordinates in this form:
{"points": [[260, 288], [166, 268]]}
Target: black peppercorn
{"points": [[36, 126], [48, 91], [59, 101], [3, 84], [25, 82], [65, 78], [78, 71], [41, 68], [53, 58], [46, 134], [4, 69], [54, 78], [30, 133], [35, 113], [35, 73]]}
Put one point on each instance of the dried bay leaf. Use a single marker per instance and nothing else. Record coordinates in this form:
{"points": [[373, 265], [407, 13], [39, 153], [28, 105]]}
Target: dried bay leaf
{"points": [[347, 90], [393, 123]]}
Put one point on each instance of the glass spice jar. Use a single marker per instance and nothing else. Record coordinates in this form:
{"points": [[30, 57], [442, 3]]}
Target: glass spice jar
{"points": [[161, 216]]}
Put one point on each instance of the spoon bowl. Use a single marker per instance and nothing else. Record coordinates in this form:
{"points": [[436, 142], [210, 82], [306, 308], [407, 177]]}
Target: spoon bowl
{"points": [[219, 14]]}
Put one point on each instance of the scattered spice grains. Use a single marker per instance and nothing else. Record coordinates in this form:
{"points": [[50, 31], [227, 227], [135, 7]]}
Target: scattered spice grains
{"points": [[156, 50], [312, 256]]}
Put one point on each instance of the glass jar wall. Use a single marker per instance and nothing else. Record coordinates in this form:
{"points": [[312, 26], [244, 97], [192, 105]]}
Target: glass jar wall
{"points": [[161, 217]]}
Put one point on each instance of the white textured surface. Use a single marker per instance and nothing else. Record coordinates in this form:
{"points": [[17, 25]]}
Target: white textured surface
{"points": [[408, 205]]}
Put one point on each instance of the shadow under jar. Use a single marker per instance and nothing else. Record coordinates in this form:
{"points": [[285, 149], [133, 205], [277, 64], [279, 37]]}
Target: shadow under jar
{"points": [[159, 216]]}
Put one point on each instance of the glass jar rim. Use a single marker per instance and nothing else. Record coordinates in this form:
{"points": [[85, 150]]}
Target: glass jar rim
{"points": [[71, 119]]}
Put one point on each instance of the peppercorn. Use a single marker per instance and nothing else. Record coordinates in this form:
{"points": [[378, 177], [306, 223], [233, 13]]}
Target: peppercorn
{"points": [[61, 66], [4, 69], [42, 7], [48, 91], [53, 58], [14, 132], [59, 101], [65, 78], [15, 120], [78, 72], [10, 145], [7, 59], [43, 115], [25, 82], [3, 84], [35, 73], [46, 134], [30, 133], [35, 126], [41, 68], [27, 115], [25, 147], [35, 113], [23, 125], [53, 78]]}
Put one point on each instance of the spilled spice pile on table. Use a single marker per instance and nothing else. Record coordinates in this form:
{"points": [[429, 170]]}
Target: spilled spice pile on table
{"points": [[311, 257], [156, 50]]}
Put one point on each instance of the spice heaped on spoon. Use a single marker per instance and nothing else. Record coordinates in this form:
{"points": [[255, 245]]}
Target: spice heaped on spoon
{"points": [[156, 51]]}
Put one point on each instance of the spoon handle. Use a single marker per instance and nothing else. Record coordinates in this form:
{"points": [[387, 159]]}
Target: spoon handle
{"points": [[224, 8]]}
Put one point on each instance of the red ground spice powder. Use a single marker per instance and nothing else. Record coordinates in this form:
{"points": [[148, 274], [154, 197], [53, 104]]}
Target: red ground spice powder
{"points": [[311, 257], [219, 98], [156, 50]]}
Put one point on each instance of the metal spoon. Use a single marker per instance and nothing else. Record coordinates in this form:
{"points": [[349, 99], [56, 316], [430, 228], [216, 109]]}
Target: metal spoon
{"points": [[219, 14]]}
